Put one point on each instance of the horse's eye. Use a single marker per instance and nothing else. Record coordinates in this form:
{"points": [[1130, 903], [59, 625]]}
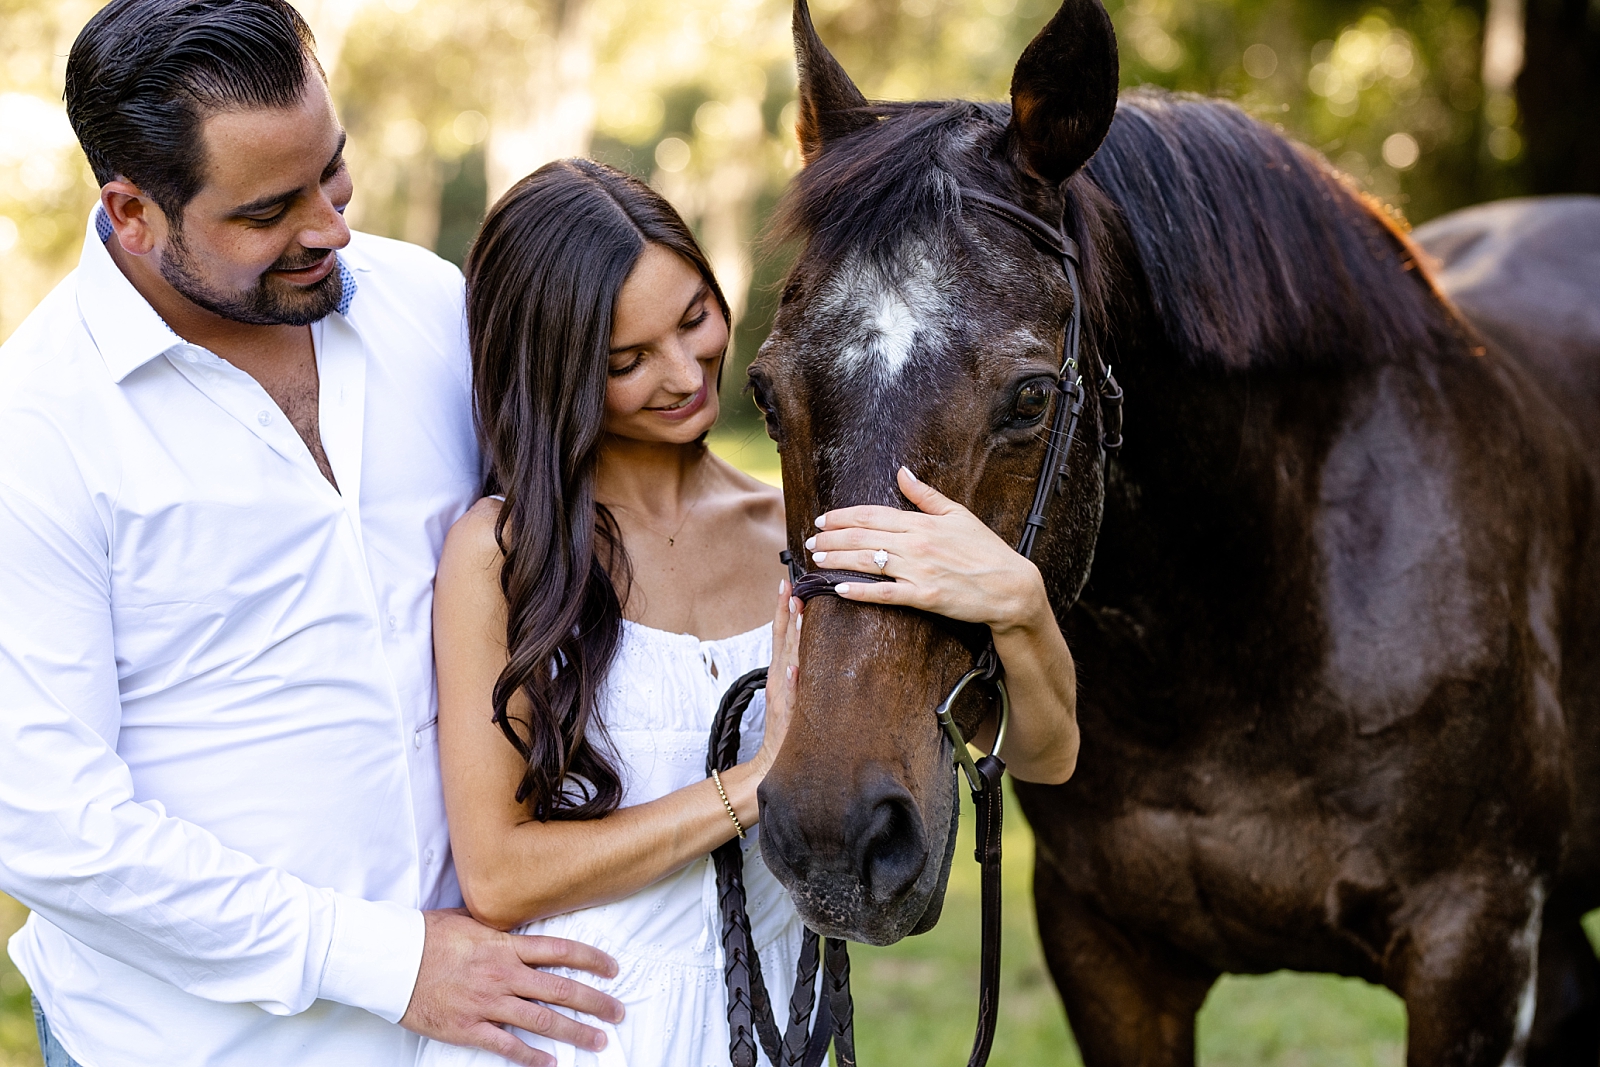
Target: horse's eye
{"points": [[790, 291], [1033, 399], [769, 412]]}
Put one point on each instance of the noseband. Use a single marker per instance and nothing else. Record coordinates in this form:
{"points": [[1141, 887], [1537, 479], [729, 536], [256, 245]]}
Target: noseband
{"points": [[750, 1013]]}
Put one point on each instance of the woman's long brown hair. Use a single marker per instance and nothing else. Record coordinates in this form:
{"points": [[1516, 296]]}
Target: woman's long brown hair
{"points": [[542, 282]]}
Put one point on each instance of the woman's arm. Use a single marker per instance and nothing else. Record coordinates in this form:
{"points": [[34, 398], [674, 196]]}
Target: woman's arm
{"points": [[946, 561], [512, 868]]}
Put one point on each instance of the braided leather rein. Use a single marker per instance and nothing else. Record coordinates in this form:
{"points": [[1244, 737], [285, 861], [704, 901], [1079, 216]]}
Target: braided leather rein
{"points": [[750, 1015]]}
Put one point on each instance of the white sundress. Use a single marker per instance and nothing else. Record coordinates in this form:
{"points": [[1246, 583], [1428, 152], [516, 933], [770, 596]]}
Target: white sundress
{"points": [[657, 704]]}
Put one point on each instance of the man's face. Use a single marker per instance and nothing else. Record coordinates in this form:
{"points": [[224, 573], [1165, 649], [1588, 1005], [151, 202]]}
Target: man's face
{"points": [[256, 244]]}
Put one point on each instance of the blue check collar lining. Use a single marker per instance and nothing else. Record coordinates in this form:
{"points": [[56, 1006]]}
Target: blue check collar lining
{"points": [[347, 278]]}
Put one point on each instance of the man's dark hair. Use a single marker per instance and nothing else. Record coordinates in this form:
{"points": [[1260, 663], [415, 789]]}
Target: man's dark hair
{"points": [[144, 74]]}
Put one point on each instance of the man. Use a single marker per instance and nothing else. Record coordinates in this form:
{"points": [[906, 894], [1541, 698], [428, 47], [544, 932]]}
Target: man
{"points": [[230, 446]]}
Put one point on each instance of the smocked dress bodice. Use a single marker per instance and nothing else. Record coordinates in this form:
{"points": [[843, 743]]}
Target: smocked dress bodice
{"points": [[656, 707]]}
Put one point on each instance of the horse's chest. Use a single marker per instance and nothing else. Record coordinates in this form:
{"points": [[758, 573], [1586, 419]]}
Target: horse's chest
{"points": [[1234, 883]]}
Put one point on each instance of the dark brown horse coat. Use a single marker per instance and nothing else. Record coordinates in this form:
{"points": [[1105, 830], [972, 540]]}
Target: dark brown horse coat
{"points": [[1339, 650]]}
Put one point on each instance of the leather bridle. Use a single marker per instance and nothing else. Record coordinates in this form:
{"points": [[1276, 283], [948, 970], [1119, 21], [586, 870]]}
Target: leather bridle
{"points": [[750, 1015]]}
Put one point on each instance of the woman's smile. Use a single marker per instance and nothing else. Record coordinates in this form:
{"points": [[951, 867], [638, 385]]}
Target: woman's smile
{"points": [[686, 407]]}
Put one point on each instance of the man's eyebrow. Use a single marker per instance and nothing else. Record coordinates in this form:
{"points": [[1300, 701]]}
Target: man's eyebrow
{"points": [[338, 158], [271, 200]]}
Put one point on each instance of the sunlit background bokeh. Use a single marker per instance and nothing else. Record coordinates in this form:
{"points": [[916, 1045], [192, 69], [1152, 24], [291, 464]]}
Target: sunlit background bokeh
{"points": [[447, 102]]}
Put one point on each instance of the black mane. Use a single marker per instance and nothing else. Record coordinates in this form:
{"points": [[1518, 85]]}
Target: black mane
{"points": [[1255, 250]]}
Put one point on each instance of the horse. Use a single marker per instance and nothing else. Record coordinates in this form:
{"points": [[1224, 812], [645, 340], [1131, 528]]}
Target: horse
{"points": [[1335, 604]]}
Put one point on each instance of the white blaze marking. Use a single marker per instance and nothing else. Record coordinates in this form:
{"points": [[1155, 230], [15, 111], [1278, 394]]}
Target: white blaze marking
{"points": [[895, 326], [882, 312]]}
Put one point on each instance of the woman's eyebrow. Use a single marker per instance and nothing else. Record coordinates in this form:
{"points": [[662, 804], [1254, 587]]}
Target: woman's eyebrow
{"points": [[699, 296]]}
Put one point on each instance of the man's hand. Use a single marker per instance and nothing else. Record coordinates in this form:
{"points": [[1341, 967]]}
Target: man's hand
{"points": [[475, 979]]}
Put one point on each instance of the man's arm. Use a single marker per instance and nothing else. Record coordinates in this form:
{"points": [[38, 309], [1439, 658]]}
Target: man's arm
{"points": [[165, 896], [154, 892]]}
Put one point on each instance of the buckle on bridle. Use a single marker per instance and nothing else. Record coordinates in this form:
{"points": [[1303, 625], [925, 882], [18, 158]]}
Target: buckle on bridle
{"points": [[958, 743]]}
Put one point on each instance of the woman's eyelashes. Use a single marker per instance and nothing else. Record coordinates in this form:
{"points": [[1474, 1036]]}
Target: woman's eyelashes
{"points": [[629, 367], [694, 320]]}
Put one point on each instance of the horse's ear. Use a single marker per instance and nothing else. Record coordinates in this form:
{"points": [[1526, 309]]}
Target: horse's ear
{"points": [[830, 104], [1064, 92]]}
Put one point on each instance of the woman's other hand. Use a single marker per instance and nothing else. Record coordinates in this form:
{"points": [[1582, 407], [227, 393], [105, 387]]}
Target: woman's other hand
{"points": [[943, 558], [782, 676]]}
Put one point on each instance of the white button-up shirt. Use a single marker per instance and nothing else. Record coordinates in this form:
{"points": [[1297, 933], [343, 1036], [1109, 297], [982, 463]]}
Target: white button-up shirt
{"points": [[219, 782]]}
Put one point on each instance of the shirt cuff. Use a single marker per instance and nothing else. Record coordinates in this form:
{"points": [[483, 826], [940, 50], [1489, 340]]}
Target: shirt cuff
{"points": [[374, 956]]}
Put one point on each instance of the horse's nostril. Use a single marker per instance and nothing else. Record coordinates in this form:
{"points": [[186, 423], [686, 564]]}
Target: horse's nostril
{"points": [[890, 845]]}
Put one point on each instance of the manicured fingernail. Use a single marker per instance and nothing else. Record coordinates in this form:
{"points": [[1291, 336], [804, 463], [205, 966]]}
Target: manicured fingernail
{"points": [[800, 620], [843, 589], [907, 472], [792, 608], [811, 543], [788, 672], [822, 522], [783, 586], [820, 557]]}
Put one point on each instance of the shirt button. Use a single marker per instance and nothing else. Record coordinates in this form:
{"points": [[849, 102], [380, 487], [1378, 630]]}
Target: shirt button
{"points": [[263, 418], [416, 739], [394, 623], [427, 857]]}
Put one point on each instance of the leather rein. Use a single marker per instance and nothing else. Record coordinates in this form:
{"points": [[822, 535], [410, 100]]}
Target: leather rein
{"points": [[804, 1043]]}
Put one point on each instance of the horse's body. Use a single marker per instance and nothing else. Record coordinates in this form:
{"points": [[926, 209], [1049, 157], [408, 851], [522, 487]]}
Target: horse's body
{"points": [[1340, 648], [1341, 686]]}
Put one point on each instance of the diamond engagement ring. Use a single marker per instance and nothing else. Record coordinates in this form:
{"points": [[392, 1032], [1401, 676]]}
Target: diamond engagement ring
{"points": [[881, 558]]}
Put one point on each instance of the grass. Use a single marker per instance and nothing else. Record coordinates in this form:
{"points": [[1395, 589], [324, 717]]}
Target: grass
{"points": [[915, 1001], [19, 1046], [747, 446]]}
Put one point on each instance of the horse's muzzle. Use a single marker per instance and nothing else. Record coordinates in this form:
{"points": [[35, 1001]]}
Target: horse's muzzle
{"points": [[866, 871]]}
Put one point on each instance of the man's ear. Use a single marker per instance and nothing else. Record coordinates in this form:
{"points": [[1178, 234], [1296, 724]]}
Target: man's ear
{"points": [[830, 104], [1064, 92], [137, 223]]}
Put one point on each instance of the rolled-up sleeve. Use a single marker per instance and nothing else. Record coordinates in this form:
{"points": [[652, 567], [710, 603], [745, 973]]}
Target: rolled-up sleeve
{"points": [[122, 876]]}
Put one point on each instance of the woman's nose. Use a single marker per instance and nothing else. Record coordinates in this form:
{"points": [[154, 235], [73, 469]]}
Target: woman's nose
{"points": [[685, 374]]}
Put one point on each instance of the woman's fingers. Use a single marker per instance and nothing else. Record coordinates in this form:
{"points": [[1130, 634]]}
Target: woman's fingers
{"points": [[929, 501], [924, 496], [868, 517], [895, 565], [900, 594]]}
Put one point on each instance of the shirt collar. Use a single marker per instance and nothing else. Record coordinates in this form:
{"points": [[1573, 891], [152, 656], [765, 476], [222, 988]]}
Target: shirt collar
{"points": [[125, 328]]}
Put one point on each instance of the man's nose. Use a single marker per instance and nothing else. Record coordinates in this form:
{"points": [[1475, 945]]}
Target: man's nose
{"points": [[326, 227]]}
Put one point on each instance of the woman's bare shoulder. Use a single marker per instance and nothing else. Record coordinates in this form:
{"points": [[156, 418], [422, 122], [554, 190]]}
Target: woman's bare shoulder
{"points": [[754, 501], [471, 549]]}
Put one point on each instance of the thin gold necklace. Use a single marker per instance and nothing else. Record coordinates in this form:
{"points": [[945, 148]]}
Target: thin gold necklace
{"points": [[672, 538]]}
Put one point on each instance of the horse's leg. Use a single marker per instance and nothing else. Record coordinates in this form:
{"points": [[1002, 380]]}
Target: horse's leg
{"points": [[1131, 1002], [1566, 1025], [1464, 964]]}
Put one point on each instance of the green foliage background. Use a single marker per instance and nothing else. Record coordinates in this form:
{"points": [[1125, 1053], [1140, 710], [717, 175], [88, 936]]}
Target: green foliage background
{"points": [[448, 101]]}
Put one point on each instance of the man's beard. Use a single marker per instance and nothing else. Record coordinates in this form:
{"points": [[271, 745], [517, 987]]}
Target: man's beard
{"points": [[263, 304]]}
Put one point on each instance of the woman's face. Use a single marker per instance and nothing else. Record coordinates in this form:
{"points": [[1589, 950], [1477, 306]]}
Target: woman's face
{"points": [[667, 342]]}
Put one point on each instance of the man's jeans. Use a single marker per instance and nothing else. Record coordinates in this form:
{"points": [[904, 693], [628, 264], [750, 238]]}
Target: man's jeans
{"points": [[54, 1054]]}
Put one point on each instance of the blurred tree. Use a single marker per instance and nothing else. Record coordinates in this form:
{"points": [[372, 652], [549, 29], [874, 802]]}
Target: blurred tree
{"points": [[1559, 94], [449, 101]]}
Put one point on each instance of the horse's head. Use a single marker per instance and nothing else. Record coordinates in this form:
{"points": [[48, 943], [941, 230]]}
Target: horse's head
{"points": [[914, 332]]}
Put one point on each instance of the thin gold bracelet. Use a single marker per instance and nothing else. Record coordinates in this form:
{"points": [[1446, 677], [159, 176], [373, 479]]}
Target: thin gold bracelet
{"points": [[726, 803]]}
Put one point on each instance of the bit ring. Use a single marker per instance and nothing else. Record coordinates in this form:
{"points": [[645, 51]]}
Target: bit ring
{"points": [[881, 558]]}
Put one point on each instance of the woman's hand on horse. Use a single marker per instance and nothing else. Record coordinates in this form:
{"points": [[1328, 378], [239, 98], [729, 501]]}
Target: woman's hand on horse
{"points": [[942, 557], [782, 676]]}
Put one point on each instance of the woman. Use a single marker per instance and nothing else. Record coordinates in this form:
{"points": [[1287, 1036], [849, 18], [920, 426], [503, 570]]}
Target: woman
{"points": [[593, 607]]}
